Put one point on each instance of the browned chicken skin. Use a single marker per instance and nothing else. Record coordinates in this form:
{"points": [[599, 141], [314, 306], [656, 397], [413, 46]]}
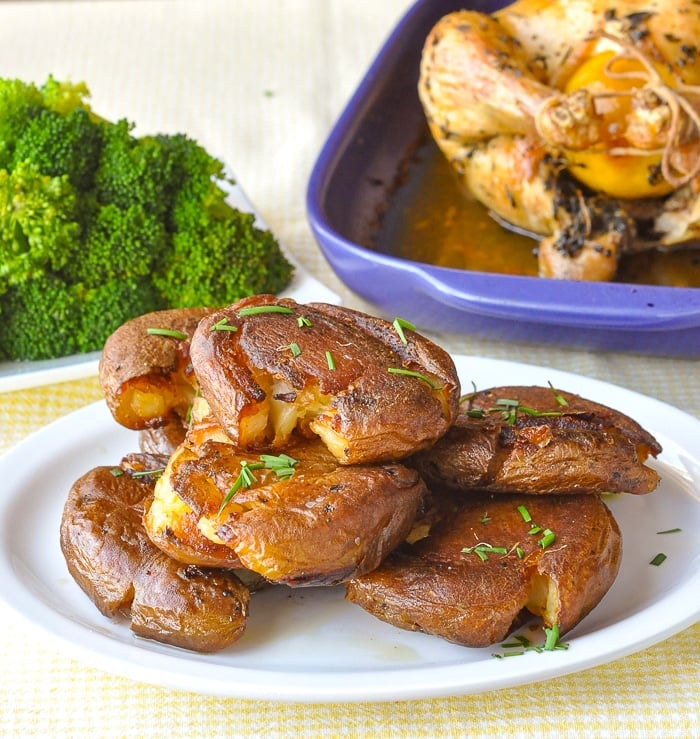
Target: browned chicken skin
{"points": [[561, 116], [525, 440]]}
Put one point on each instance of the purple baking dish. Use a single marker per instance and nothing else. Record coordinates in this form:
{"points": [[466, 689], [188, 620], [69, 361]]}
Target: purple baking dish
{"points": [[348, 187]]}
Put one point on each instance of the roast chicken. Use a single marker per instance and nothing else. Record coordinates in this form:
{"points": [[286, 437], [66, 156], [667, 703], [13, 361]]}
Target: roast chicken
{"points": [[575, 121]]}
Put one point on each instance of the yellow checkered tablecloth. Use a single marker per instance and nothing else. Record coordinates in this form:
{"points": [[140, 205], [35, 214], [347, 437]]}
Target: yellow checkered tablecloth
{"points": [[202, 68]]}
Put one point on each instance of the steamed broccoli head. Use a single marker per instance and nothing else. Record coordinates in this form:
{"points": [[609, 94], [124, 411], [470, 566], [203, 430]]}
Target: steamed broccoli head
{"points": [[38, 319], [134, 171], [39, 227], [118, 243], [20, 102], [60, 144], [107, 306], [63, 96], [98, 225], [222, 260], [47, 317], [195, 183]]}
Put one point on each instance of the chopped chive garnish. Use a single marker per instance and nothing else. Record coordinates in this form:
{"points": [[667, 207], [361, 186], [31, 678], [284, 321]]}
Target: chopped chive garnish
{"points": [[485, 519], [659, 559], [508, 402], [521, 644], [147, 473], [244, 480], [330, 361], [400, 324], [223, 325], [538, 414], [282, 465], [523, 511], [534, 530], [475, 413], [670, 531], [561, 400], [172, 333], [418, 375], [468, 396], [116, 471], [294, 349], [548, 539], [519, 551], [303, 321], [255, 309], [483, 550], [552, 639]]}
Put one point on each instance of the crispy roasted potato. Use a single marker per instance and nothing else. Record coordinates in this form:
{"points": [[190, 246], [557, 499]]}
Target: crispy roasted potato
{"points": [[471, 578], [537, 440], [146, 378], [111, 558], [323, 524], [268, 366], [165, 439]]}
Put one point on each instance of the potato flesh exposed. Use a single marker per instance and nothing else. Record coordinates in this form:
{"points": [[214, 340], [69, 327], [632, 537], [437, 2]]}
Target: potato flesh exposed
{"points": [[147, 378]]}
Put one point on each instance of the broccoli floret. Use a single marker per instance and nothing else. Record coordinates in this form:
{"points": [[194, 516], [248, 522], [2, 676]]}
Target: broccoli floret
{"points": [[134, 171], [46, 317], [62, 145], [196, 194], [39, 226], [98, 225], [221, 261], [20, 102], [118, 243], [106, 307], [64, 97], [38, 319]]}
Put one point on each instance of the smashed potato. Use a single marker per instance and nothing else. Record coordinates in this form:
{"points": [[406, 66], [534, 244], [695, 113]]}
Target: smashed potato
{"points": [[483, 565], [537, 440], [145, 370], [269, 366], [323, 523], [112, 559], [310, 445]]}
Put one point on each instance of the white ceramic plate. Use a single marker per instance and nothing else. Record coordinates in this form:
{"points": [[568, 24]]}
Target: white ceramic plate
{"points": [[310, 644], [26, 374]]}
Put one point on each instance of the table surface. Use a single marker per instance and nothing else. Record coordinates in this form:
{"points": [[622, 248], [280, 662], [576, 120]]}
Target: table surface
{"points": [[260, 83]]}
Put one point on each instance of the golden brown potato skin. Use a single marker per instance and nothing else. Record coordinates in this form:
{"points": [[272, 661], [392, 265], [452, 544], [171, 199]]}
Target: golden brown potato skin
{"points": [[324, 524], [165, 439], [435, 587], [147, 380], [585, 447], [111, 558], [364, 412]]}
